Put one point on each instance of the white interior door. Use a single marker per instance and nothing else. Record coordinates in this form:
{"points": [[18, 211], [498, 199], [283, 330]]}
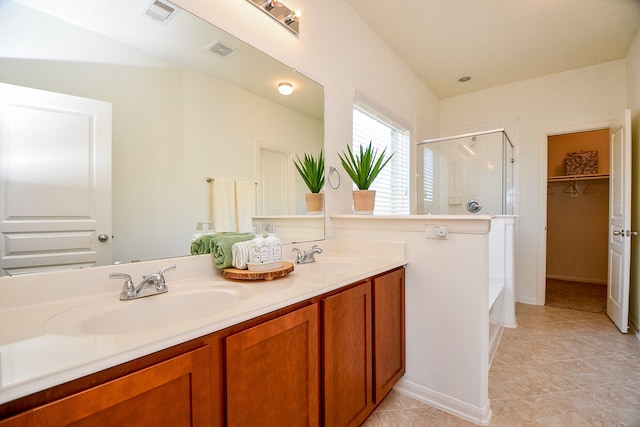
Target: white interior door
{"points": [[620, 223], [55, 188], [275, 182]]}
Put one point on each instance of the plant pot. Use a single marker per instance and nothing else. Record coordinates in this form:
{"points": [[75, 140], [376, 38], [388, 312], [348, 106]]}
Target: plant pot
{"points": [[315, 203], [364, 201]]}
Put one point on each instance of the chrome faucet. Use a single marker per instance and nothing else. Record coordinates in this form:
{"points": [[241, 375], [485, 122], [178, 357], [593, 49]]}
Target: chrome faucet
{"points": [[145, 288], [307, 257]]}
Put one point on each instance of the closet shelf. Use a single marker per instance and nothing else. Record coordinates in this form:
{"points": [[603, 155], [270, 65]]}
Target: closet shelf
{"points": [[577, 177]]}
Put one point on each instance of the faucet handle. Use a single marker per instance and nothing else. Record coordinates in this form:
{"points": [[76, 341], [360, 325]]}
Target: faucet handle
{"points": [[128, 289], [165, 269], [300, 257], [159, 277]]}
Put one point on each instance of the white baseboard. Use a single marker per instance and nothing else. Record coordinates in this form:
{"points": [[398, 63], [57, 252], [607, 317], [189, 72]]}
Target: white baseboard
{"points": [[528, 300], [478, 415]]}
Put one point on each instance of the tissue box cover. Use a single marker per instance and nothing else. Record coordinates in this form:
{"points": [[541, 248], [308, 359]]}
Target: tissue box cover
{"points": [[581, 163]]}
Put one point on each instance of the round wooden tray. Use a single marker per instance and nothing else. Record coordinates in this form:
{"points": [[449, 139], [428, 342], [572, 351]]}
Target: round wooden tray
{"points": [[234, 273]]}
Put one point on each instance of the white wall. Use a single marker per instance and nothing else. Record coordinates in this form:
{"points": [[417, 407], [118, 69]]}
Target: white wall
{"points": [[574, 100], [447, 307], [633, 102], [336, 49]]}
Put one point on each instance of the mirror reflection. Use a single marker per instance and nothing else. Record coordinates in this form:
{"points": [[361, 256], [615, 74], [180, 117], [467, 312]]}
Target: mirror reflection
{"points": [[180, 113]]}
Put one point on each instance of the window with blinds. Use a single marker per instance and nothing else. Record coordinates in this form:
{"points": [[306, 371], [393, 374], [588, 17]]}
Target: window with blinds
{"points": [[392, 184]]}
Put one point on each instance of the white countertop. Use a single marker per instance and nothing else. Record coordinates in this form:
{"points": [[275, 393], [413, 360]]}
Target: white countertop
{"points": [[33, 358]]}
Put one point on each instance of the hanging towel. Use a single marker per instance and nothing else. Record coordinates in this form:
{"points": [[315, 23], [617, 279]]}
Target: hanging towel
{"points": [[240, 254], [223, 209], [201, 245], [221, 247], [245, 205]]}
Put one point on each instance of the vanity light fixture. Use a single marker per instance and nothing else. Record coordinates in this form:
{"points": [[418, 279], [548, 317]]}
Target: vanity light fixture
{"points": [[285, 88], [269, 5], [288, 18]]}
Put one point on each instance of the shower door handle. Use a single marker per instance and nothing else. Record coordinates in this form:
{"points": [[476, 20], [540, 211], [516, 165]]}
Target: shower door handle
{"points": [[474, 206]]}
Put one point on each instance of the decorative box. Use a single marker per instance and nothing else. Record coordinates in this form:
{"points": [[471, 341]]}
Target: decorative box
{"points": [[581, 163]]}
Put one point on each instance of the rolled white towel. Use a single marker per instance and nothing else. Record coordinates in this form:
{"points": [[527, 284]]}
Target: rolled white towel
{"points": [[240, 254]]}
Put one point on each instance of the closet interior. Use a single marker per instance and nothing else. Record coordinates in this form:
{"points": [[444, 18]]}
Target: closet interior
{"points": [[577, 219]]}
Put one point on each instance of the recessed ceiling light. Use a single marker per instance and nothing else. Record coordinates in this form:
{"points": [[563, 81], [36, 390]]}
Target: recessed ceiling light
{"points": [[285, 88], [464, 79]]}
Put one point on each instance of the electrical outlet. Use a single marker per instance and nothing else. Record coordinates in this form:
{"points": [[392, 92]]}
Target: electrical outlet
{"points": [[436, 231]]}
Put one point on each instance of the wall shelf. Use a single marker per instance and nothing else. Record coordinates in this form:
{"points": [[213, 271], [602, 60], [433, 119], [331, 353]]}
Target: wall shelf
{"points": [[577, 177]]}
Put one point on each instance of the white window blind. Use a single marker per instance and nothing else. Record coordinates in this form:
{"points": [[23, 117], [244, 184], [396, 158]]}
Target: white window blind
{"points": [[392, 184], [428, 175]]}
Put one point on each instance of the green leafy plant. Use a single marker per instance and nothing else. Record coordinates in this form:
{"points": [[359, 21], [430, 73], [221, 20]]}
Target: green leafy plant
{"points": [[363, 168], [311, 170]]}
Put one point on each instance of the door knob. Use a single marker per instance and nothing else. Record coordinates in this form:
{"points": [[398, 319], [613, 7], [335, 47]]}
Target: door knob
{"points": [[618, 232], [103, 238], [631, 233]]}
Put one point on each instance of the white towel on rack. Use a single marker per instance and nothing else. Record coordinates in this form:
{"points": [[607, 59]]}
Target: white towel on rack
{"points": [[223, 200], [245, 205]]}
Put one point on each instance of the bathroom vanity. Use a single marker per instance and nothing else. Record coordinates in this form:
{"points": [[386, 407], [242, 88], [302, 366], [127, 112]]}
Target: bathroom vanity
{"points": [[320, 347]]}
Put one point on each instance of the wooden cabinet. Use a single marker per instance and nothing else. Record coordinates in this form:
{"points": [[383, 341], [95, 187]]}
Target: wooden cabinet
{"points": [[175, 392], [388, 332], [273, 372], [363, 347], [325, 361], [347, 356]]}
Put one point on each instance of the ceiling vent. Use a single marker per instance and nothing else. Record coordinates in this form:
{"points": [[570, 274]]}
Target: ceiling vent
{"points": [[161, 11], [221, 49]]}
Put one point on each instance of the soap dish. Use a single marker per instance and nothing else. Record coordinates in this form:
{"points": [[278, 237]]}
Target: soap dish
{"points": [[264, 266]]}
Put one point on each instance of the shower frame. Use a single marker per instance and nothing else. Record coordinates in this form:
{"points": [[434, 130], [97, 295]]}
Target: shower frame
{"points": [[507, 162]]}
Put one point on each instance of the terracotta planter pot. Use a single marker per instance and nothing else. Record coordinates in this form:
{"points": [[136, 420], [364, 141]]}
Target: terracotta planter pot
{"points": [[364, 201], [315, 203]]}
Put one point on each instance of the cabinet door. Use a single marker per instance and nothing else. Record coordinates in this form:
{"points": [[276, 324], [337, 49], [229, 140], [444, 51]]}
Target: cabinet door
{"points": [[172, 393], [273, 372], [347, 358], [388, 332]]}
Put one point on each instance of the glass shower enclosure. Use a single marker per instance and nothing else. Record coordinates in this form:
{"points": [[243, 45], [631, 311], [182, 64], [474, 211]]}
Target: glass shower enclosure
{"points": [[466, 174]]}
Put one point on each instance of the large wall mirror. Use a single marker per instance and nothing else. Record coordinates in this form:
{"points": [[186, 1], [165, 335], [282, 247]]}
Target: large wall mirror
{"points": [[181, 113]]}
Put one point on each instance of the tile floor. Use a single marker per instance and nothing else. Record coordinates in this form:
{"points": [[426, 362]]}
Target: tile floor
{"points": [[559, 368]]}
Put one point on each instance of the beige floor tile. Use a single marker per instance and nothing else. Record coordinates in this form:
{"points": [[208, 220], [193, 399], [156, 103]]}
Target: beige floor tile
{"points": [[516, 352], [515, 381], [617, 343], [395, 401], [565, 349], [558, 368], [420, 417], [593, 372]]}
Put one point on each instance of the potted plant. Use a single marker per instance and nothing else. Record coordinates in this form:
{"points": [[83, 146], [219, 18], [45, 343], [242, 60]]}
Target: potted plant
{"points": [[363, 168], [311, 169]]}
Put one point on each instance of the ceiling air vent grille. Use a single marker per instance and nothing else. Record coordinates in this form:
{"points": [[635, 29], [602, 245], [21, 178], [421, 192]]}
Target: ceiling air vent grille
{"points": [[221, 49], [161, 11]]}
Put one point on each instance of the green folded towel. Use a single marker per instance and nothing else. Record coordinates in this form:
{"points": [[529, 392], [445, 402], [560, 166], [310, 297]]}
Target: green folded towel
{"points": [[201, 245], [221, 247]]}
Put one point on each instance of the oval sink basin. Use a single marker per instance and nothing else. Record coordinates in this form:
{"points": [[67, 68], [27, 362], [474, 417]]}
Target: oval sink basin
{"points": [[117, 317]]}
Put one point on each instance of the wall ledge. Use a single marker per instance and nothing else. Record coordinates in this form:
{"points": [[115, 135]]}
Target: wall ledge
{"points": [[458, 224]]}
